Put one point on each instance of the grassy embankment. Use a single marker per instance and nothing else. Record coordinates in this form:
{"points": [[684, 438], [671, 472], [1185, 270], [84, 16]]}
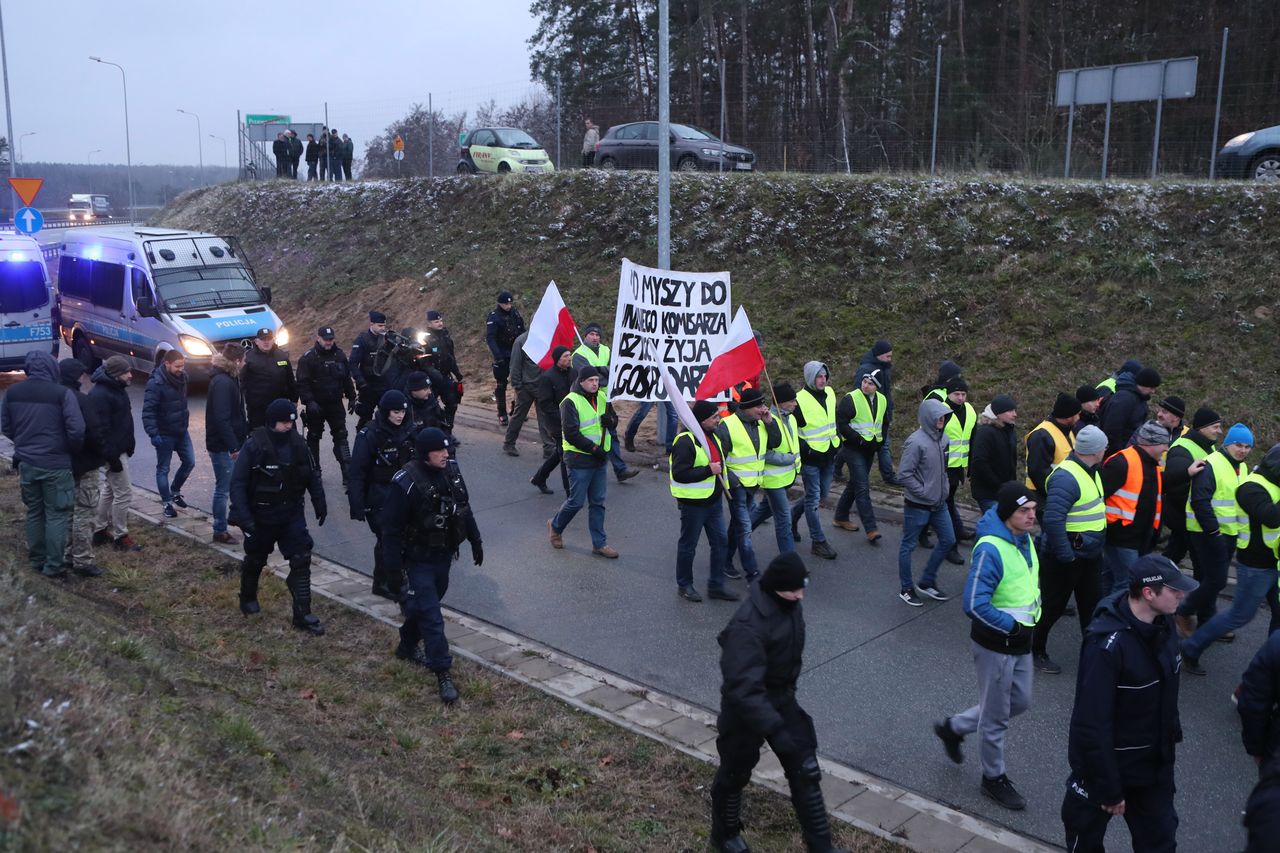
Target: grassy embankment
{"points": [[140, 711], [1032, 287]]}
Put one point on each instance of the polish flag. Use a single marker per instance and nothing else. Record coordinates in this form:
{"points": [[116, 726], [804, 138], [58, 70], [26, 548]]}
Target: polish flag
{"points": [[550, 327], [739, 359]]}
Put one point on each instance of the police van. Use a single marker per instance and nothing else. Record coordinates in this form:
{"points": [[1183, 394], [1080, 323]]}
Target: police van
{"points": [[26, 302], [139, 292]]}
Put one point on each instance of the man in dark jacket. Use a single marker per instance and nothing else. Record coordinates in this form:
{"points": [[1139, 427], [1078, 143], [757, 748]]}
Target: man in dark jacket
{"points": [[993, 453], [266, 376], [880, 357], [425, 411], [110, 390], [295, 153], [44, 422], [323, 380], [553, 386], [1125, 724], [280, 151], [272, 474], [225, 429], [165, 417], [1262, 811], [1131, 486], [1259, 702], [503, 325], [382, 448], [333, 154], [584, 419], [1127, 409], [348, 156], [1191, 449], [524, 376], [697, 484], [85, 465], [761, 658], [363, 362], [1090, 399], [313, 157], [447, 363]]}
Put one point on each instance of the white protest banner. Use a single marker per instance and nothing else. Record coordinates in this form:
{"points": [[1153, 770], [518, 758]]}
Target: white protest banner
{"points": [[666, 318]]}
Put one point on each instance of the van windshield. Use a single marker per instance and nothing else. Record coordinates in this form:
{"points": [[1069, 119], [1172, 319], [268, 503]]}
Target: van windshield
{"points": [[22, 286], [210, 287]]}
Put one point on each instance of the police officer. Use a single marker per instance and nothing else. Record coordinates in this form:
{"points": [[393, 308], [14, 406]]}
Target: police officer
{"points": [[502, 328], [369, 382], [427, 516], [447, 363], [760, 659], [266, 376], [324, 378], [273, 471], [424, 406], [382, 448]]}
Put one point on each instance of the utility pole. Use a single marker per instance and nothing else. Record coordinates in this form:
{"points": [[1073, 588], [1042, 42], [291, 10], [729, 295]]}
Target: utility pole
{"points": [[8, 113], [664, 136], [199, 142]]}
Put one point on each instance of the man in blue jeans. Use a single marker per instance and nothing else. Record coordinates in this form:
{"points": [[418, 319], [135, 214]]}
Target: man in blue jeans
{"points": [[586, 421], [1257, 555], [922, 471], [697, 484], [666, 411], [744, 435], [225, 429], [781, 463], [165, 418]]}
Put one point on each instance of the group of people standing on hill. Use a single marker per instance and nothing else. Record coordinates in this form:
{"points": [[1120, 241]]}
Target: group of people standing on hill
{"points": [[329, 157]]}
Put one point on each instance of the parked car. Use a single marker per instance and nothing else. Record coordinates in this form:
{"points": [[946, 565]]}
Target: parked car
{"points": [[635, 146], [502, 149], [1254, 156]]}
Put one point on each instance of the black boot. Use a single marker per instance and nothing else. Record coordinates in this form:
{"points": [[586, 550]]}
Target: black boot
{"points": [[448, 693], [250, 570], [343, 454], [313, 444], [384, 585], [811, 809], [726, 822], [299, 583]]}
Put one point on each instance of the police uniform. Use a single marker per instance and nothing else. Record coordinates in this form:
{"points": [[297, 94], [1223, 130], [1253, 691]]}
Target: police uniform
{"points": [[501, 330], [369, 381], [426, 518], [272, 472], [324, 378], [266, 376], [424, 412], [381, 450]]}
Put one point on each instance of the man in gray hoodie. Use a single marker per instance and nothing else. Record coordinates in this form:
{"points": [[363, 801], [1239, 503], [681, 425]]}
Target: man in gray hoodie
{"points": [[922, 471], [43, 420]]}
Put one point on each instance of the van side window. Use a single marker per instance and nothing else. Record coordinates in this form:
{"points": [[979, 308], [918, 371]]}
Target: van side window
{"points": [[108, 285], [74, 277], [139, 284]]}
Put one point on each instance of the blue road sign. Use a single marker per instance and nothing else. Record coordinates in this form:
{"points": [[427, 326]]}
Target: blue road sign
{"points": [[28, 220]]}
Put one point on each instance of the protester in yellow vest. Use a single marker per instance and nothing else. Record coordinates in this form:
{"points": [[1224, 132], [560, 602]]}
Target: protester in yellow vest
{"points": [[1214, 521], [1002, 600], [744, 435], [697, 484], [819, 441], [1075, 530], [592, 353], [959, 432], [781, 465], [860, 422], [586, 444], [1050, 441], [1189, 450], [1257, 557]]}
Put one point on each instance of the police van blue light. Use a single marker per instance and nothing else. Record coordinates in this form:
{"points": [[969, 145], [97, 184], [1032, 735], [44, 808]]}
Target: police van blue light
{"points": [[138, 292], [26, 302]]}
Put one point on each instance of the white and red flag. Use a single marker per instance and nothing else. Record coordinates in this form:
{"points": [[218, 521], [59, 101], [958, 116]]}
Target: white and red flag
{"points": [[550, 327], [739, 359]]}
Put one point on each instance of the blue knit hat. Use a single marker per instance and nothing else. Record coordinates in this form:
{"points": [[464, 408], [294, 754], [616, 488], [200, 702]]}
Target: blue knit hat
{"points": [[1238, 434]]}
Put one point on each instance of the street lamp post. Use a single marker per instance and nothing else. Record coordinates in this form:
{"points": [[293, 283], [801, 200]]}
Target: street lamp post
{"points": [[90, 159], [224, 148], [199, 141], [22, 159], [128, 148]]}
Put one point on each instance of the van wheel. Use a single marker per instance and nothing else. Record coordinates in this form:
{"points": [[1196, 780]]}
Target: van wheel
{"points": [[83, 353]]}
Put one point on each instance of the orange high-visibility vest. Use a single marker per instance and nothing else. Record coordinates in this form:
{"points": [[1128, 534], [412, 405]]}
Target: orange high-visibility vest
{"points": [[1122, 506]]}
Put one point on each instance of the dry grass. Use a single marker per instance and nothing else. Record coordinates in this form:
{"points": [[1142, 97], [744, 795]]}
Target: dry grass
{"points": [[141, 711]]}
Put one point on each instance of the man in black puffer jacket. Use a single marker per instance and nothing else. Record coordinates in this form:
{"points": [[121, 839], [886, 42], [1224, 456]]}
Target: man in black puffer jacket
{"points": [[993, 453], [553, 386], [165, 418], [1125, 723], [85, 465], [1260, 729], [761, 651], [266, 376], [225, 429], [110, 384], [1127, 409], [880, 357]]}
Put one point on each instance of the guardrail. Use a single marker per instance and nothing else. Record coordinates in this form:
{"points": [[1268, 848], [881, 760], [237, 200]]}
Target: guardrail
{"points": [[68, 223]]}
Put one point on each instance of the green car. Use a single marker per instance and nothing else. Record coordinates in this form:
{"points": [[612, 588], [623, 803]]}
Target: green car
{"points": [[502, 149]]}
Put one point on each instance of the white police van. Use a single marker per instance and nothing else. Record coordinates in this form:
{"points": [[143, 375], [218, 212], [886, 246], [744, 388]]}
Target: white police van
{"points": [[26, 302], [138, 292]]}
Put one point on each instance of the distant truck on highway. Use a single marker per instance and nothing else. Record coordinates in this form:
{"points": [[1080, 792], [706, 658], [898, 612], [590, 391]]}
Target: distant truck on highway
{"points": [[83, 207]]}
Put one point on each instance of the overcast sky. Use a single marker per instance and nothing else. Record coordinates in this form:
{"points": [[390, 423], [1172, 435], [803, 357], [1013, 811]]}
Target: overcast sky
{"points": [[371, 60]]}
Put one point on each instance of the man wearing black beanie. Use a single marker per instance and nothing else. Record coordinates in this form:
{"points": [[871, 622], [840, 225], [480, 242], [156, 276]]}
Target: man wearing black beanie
{"points": [[760, 659]]}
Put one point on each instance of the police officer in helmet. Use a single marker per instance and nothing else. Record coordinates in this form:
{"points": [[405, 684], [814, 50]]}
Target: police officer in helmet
{"points": [[273, 472], [382, 448], [426, 518]]}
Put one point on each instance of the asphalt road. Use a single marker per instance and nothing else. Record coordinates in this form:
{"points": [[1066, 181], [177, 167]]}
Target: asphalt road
{"points": [[878, 672]]}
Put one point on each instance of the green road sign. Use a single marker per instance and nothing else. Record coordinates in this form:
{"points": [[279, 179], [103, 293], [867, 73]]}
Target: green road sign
{"points": [[267, 119]]}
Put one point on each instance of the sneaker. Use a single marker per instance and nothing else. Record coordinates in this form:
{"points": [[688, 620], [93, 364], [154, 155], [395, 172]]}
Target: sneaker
{"points": [[605, 551], [623, 476], [179, 501], [126, 543], [874, 537], [1229, 637], [101, 537], [629, 444], [688, 593], [1235, 695], [1192, 665], [721, 594], [950, 740], [225, 538], [823, 550], [966, 534], [89, 571], [795, 533], [1002, 791], [953, 557], [908, 596], [933, 592], [542, 487], [752, 577], [1045, 664], [169, 511], [1186, 625], [925, 542], [845, 524], [502, 419], [556, 541], [510, 450], [732, 572]]}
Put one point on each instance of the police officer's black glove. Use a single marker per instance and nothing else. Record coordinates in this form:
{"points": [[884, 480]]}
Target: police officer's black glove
{"points": [[313, 410], [357, 513], [320, 517], [477, 552], [246, 525], [115, 466], [351, 407]]}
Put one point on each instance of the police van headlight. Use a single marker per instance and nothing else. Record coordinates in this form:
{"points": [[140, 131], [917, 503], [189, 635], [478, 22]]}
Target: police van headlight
{"points": [[282, 337], [194, 346]]}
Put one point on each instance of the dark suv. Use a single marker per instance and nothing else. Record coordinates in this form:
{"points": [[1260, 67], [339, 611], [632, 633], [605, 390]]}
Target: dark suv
{"points": [[635, 146]]}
